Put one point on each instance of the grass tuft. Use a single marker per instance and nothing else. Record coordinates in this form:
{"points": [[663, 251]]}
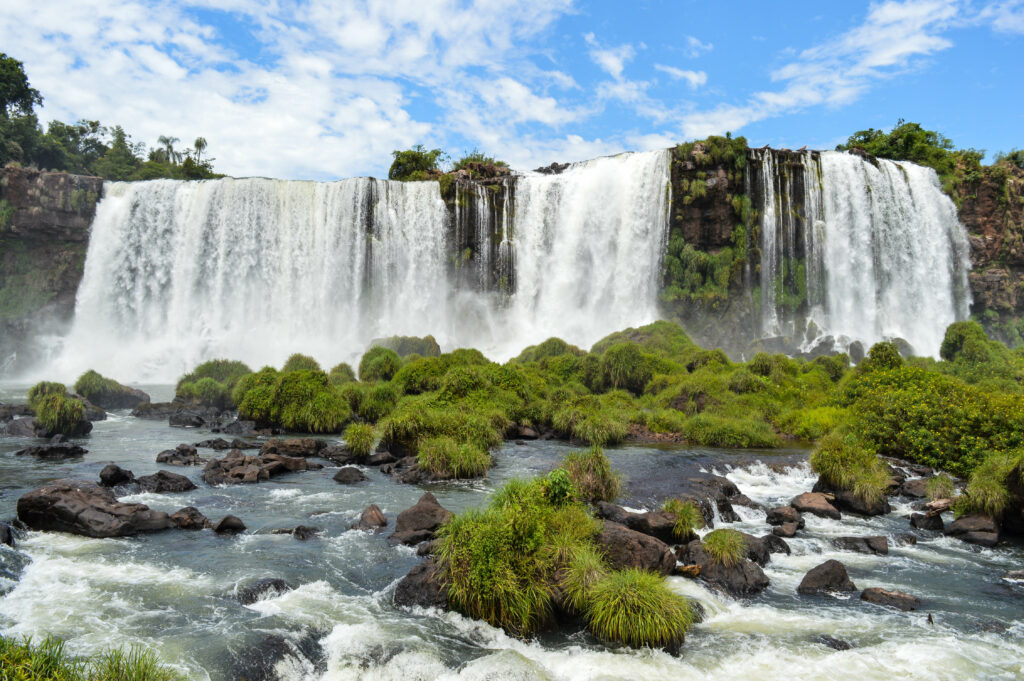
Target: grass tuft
{"points": [[638, 609], [446, 458], [726, 547], [360, 439], [689, 518], [591, 474]]}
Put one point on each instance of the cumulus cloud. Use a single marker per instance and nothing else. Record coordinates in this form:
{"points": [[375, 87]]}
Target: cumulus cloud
{"points": [[694, 79], [695, 48]]}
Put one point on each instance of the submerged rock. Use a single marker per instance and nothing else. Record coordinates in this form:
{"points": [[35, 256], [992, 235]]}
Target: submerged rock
{"points": [[743, 579], [420, 521], [372, 518], [229, 524], [626, 548], [189, 518], [828, 577], [892, 599], [349, 475], [54, 450], [6, 535], [163, 482], [833, 643], [85, 508], [300, 532], [817, 504], [876, 545], [261, 588], [422, 587]]}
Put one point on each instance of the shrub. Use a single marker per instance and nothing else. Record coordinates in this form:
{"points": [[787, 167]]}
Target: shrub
{"points": [[43, 389], [377, 402], [592, 476], [688, 518], [662, 338], [420, 375], [417, 418], [957, 334], [811, 424], [723, 431], [772, 366], [445, 458], [743, 381], [49, 661], [414, 164], [301, 401], [726, 547], [627, 367], [940, 487], [341, 374], [552, 347], [638, 609], [59, 414], [226, 372], [95, 388], [410, 345], [379, 364], [558, 487], [988, 491], [881, 357], [844, 463], [360, 439], [665, 421], [586, 567], [588, 419], [207, 392], [299, 362]]}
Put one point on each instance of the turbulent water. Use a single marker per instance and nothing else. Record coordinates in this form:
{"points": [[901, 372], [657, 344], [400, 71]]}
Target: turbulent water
{"points": [[866, 251], [173, 591], [256, 269]]}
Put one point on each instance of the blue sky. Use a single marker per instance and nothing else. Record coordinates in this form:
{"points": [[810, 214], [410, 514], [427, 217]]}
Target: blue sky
{"points": [[322, 89]]}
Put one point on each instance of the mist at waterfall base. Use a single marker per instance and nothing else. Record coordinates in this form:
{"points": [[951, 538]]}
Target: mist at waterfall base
{"points": [[174, 592], [255, 269]]}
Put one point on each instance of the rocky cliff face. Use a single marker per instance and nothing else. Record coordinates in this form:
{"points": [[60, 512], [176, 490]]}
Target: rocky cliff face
{"points": [[993, 213], [44, 234]]}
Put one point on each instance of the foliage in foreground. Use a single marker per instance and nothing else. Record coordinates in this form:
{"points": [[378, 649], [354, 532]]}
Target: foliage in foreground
{"points": [[638, 609], [23, 660], [726, 547], [56, 411], [360, 439]]}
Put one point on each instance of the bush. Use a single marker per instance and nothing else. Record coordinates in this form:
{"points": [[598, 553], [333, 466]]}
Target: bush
{"points": [[43, 389], [414, 164], [379, 364], [586, 567], [726, 547], [844, 463], [206, 392], [420, 375], [226, 372], [418, 418], [638, 609], [689, 518], [299, 362], [588, 419], [95, 388], [988, 491], [662, 338], [377, 402], [811, 424], [445, 458], [341, 374], [957, 334], [592, 476], [881, 357], [940, 487], [558, 488], [743, 381], [410, 345], [360, 439], [49, 661], [300, 401], [552, 347], [59, 414], [625, 366], [723, 431]]}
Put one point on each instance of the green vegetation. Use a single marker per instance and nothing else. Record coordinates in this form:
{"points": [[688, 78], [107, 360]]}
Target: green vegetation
{"points": [[43, 389], [940, 487], [360, 438], [591, 475], [49, 661], [410, 345], [379, 364], [212, 383], [988, 488], [689, 518], [59, 413], [444, 458], [475, 159], [302, 401], [299, 362], [416, 163], [726, 547], [94, 387], [86, 147], [638, 609], [341, 374]]}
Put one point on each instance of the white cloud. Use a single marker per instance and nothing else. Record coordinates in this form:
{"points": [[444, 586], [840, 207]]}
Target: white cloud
{"points": [[1006, 17], [695, 79], [611, 59], [695, 48]]}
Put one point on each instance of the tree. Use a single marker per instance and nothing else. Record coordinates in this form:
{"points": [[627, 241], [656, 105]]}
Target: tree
{"points": [[415, 163], [17, 97], [911, 142], [168, 143], [477, 156], [200, 147], [121, 160]]}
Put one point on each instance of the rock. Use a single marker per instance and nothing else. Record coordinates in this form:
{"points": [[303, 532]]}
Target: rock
{"points": [[986, 539], [775, 544], [6, 535], [833, 643], [182, 455], [294, 447], [848, 502], [780, 515], [262, 588], [339, 454], [757, 549], [156, 411], [300, 532], [892, 599], [372, 518], [85, 508], [427, 548], [217, 443], [856, 352], [229, 524], [381, 458], [527, 433], [54, 451], [922, 521], [420, 521], [916, 488], [626, 548], [876, 545], [236, 467], [817, 504], [239, 428], [657, 524], [972, 522], [123, 398], [1015, 576], [785, 530], [22, 427], [113, 475], [422, 587], [744, 579], [691, 571], [189, 518], [828, 577], [163, 482], [938, 506], [262, 661], [905, 539], [349, 475]]}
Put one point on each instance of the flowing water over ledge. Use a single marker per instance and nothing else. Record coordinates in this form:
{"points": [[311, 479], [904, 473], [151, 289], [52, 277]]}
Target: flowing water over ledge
{"points": [[173, 591]]}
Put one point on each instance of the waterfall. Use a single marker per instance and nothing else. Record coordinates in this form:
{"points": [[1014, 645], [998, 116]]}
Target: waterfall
{"points": [[894, 257], [253, 269]]}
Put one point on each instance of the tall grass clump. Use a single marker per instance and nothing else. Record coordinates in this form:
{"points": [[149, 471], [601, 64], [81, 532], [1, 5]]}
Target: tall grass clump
{"points": [[377, 401], [42, 389], [300, 401], [23, 660], [585, 568], [638, 609], [591, 420], [725, 431], [379, 364], [445, 458], [726, 547], [689, 518], [843, 462], [988, 490], [940, 487], [94, 387], [341, 374], [213, 383], [59, 414], [300, 362], [360, 439], [592, 476]]}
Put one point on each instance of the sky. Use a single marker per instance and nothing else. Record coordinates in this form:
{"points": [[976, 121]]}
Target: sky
{"points": [[325, 89]]}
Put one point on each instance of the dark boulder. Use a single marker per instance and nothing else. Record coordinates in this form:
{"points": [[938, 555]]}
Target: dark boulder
{"points": [[657, 524], [381, 458], [300, 532], [349, 475], [189, 518], [780, 515], [229, 524], [972, 522], [339, 454], [757, 549], [776, 544], [113, 475], [422, 587], [54, 451], [163, 482], [195, 417], [905, 539], [817, 504], [87, 509], [626, 548], [832, 642], [6, 535], [848, 502], [420, 521], [239, 428], [986, 539], [260, 589], [22, 427], [372, 518], [236, 467], [122, 398], [892, 599], [182, 455], [428, 548], [156, 411], [916, 488], [294, 447], [876, 545], [785, 530], [828, 577], [744, 579], [926, 521], [261, 662], [216, 443]]}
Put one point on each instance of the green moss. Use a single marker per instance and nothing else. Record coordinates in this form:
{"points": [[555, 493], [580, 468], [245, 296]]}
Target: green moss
{"points": [[445, 458], [592, 476], [726, 547], [6, 214], [360, 439], [638, 609], [379, 364]]}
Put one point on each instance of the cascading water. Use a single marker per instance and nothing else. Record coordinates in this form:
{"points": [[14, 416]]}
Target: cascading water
{"points": [[255, 269]]}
